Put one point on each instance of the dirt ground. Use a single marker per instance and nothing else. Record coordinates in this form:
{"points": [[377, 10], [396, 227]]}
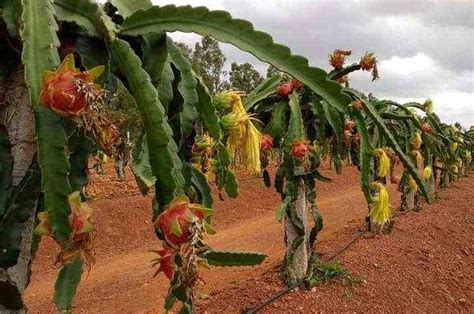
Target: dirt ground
{"points": [[425, 264]]}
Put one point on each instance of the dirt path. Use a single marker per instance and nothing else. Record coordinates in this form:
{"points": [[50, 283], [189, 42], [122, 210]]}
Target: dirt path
{"points": [[121, 279]]}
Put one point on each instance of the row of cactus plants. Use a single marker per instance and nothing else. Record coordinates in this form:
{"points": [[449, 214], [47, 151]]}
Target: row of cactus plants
{"points": [[79, 58], [300, 128]]}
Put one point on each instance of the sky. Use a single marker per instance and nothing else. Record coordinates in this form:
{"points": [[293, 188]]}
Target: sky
{"points": [[425, 48]]}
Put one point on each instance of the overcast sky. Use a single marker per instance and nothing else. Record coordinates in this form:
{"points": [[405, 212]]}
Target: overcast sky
{"points": [[425, 48]]}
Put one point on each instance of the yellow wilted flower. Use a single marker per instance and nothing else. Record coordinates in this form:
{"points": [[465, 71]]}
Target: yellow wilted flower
{"points": [[427, 172], [428, 105], [416, 143], [454, 146], [244, 138], [204, 141], [419, 158], [221, 101], [102, 157], [316, 146], [454, 169], [468, 157], [384, 162], [380, 213], [412, 183]]}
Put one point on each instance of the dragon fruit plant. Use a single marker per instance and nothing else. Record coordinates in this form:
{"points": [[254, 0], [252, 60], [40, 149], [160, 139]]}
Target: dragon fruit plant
{"points": [[305, 128], [65, 63], [428, 143]]}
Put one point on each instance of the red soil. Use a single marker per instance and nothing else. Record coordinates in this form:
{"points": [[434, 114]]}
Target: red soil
{"points": [[425, 264]]}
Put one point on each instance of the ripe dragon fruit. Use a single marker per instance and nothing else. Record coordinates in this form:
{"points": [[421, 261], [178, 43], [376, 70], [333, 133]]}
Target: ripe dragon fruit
{"points": [[300, 149], [267, 142], [175, 221], [296, 85], [284, 89], [287, 88], [63, 90], [426, 128], [80, 219], [394, 180]]}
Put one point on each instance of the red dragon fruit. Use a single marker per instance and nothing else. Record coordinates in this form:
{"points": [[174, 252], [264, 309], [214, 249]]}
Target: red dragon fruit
{"points": [[175, 221], [267, 142], [284, 89], [394, 180], [62, 92], [80, 219], [300, 149], [426, 128]]}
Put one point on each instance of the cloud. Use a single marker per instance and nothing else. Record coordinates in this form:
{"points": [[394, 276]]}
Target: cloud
{"points": [[451, 106], [425, 47], [416, 78]]}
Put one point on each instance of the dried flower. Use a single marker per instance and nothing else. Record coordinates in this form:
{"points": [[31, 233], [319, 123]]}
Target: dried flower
{"points": [[267, 142], [384, 162], [338, 57], [357, 105]]}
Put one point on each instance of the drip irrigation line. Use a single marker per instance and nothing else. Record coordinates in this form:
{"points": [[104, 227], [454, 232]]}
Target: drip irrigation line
{"points": [[356, 237], [253, 310], [347, 245]]}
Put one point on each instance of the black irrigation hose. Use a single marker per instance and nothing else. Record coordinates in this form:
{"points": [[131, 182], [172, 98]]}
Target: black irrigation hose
{"points": [[296, 285], [270, 300]]}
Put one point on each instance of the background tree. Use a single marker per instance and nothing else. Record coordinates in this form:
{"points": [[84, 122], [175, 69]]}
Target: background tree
{"points": [[243, 77], [208, 62], [185, 50], [272, 71]]}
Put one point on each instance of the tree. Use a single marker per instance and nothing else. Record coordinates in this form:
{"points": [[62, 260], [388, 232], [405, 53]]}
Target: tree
{"points": [[243, 77], [185, 50], [272, 71], [208, 62]]}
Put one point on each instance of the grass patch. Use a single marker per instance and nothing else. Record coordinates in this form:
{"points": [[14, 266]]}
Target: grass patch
{"points": [[325, 273]]}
